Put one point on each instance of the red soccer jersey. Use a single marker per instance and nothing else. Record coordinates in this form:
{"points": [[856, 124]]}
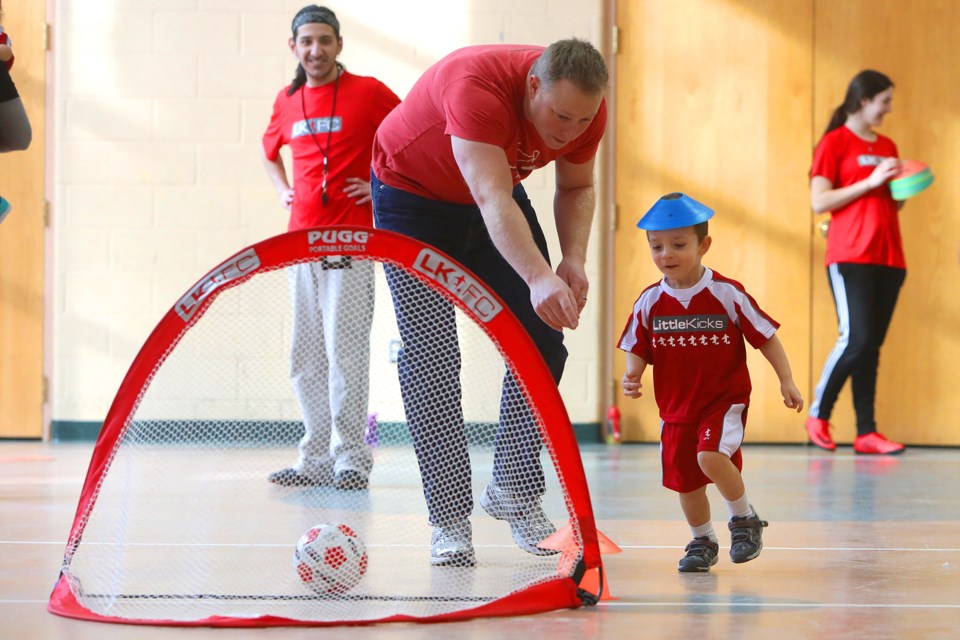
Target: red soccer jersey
{"points": [[867, 230], [476, 93], [694, 339], [362, 103]]}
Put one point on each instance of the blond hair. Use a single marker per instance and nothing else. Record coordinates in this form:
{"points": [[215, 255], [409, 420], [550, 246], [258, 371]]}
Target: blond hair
{"points": [[575, 60]]}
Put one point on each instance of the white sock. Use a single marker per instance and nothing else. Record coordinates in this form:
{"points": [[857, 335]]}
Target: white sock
{"points": [[705, 531], [740, 508]]}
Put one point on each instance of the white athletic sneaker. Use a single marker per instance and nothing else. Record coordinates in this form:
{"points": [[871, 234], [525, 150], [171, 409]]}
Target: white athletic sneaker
{"points": [[528, 523], [452, 546]]}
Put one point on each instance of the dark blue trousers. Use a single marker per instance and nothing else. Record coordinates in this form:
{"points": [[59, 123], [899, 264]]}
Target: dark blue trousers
{"points": [[429, 360]]}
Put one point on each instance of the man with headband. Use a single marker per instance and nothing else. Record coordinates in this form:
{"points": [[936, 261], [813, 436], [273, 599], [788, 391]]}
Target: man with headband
{"points": [[328, 117], [447, 170]]}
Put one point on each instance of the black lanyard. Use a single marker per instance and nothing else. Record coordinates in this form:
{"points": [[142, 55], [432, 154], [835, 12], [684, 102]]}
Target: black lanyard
{"points": [[325, 152]]}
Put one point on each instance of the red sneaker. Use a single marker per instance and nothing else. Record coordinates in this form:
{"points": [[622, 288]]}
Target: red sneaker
{"points": [[876, 443], [819, 432]]}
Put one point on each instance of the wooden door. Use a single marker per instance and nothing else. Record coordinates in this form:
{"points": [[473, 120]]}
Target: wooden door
{"points": [[725, 99], [22, 236], [915, 44], [714, 99]]}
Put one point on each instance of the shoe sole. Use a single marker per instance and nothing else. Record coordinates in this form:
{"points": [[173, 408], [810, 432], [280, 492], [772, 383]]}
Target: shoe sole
{"points": [[461, 561], [817, 442], [880, 453], [353, 484], [281, 483], [748, 559], [295, 481], [698, 569]]}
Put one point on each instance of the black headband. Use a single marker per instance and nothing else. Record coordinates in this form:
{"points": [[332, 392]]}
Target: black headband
{"points": [[315, 14]]}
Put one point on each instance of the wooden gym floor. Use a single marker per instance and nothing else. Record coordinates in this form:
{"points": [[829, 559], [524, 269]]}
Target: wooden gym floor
{"points": [[858, 547]]}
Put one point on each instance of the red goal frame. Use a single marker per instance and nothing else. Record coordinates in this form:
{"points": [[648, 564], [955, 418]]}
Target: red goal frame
{"points": [[441, 273]]}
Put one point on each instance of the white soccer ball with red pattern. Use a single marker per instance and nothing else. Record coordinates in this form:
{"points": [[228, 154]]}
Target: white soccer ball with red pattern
{"points": [[330, 558]]}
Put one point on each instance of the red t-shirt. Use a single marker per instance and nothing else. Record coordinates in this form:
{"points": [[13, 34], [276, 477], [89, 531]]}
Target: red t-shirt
{"points": [[476, 93], [362, 103], [5, 39], [694, 339], [867, 230]]}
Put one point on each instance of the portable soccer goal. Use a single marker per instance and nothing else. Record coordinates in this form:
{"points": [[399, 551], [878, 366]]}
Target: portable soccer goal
{"points": [[185, 517]]}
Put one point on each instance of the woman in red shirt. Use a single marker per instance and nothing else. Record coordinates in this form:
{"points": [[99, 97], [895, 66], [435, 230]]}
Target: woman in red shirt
{"points": [[865, 264], [15, 132]]}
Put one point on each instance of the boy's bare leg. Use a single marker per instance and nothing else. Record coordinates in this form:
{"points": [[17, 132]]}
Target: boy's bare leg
{"points": [[725, 475]]}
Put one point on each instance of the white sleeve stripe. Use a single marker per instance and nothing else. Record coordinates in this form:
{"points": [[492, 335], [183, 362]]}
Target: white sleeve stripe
{"points": [[641, 315], [629, 339], [731, 297]]}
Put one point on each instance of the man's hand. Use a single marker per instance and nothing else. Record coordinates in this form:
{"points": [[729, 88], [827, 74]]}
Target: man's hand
{"points": [[554, 302], [286, 197], [359, 189], [278, 176], [573, 273]]}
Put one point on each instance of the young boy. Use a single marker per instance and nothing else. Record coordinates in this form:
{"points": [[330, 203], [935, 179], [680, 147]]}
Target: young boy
{"points": [[690, 327]]}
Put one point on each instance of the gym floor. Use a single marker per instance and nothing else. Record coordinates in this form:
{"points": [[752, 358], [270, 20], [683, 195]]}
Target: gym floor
{"points": [[858, 547]]}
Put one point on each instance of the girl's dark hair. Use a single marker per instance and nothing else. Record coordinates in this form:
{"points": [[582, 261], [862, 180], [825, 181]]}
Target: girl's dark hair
{"points": [[864, 86], [311, 14]]}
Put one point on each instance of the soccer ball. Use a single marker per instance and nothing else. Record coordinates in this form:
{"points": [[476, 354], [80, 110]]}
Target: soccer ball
{"points": [[330, 558]]}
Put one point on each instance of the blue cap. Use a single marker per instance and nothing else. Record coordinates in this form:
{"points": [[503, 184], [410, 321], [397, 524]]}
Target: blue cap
{"points": [[673, 211]]}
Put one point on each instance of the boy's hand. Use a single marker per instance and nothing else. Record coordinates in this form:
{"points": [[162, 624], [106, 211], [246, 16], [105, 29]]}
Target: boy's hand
{"points": [[791, 396], [631, 385]]}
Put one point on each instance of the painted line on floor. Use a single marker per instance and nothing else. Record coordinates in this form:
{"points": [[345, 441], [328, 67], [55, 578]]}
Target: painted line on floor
{"points": [[484, 546], [779, 605]]}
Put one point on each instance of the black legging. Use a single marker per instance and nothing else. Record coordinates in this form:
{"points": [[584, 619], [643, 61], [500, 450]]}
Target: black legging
{"points": [[15, 131], [865, 296]]}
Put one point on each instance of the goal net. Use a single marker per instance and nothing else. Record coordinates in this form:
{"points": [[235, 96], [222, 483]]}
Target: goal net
{"points": [[269, 400]]}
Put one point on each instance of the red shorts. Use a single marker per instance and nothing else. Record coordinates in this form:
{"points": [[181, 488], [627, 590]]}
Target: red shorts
{"points": [[720, 431]]}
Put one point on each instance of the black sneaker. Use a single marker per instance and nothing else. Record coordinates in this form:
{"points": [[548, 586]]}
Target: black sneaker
{"points": [[350, 480], [746, 537], [701, 555]]}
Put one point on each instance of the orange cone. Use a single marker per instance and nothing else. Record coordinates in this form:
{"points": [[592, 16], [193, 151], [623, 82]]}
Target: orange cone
{"points": [[560, 540], [607, 545], [590, 584], [564, 542]]}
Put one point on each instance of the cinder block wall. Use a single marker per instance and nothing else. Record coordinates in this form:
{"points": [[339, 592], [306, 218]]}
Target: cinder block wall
{"points": [[158, 108]]}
